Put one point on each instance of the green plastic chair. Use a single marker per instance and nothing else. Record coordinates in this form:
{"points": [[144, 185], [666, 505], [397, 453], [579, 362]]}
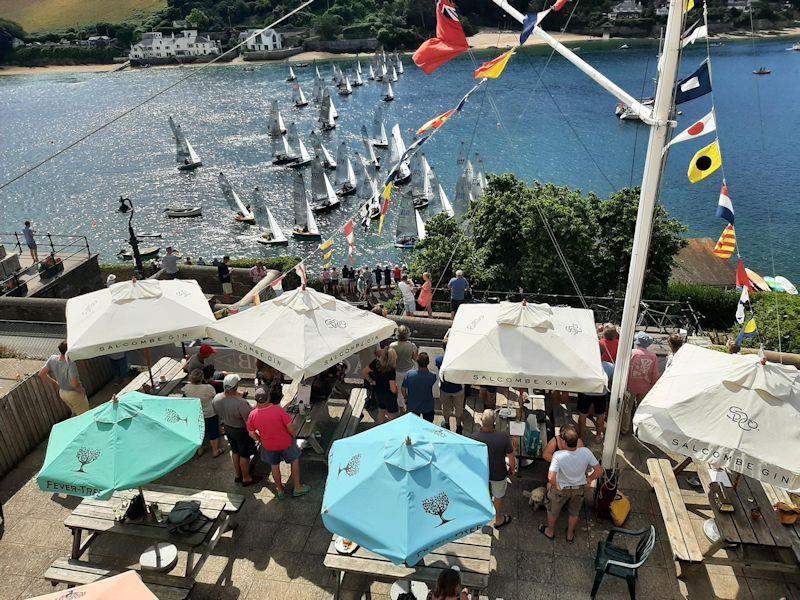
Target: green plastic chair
{"points": [[619, 562]]}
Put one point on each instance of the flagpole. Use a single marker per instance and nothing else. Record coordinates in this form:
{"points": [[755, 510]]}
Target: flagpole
{"points": [[644, 112]]}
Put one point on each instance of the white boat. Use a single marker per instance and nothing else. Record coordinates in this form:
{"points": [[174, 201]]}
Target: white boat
{"points": [[379, 137], [292, 76], [185, 155], [389, 95], [358, 67], [303, 158], [399, 64], [396, 150], [318, 90], [371, 75], [463, 196], [282, 151], [243, 213], [334, 112], [321, 152], [345, 89], [144, 252], [368, 196], [298, 97], [394, 77], [626, 113], [305, 225], [478, 178], [358, 82], [795, 47], [177, 212], [345, 179], [421, 190], [335, 74], [325, 114], [384, 73], [409, 228], [271, 232], [323, 196], [276, 124], [624, 47], [440, 202], [369, 156]]}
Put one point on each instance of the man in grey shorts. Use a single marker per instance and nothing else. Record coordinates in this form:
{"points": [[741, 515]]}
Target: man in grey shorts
{"points": [[500, 448], [566, 482]]}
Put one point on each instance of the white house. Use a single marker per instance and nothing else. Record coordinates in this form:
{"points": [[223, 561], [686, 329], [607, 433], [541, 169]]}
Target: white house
{"points": [[269, 39], [627, 9], [188, 43]]}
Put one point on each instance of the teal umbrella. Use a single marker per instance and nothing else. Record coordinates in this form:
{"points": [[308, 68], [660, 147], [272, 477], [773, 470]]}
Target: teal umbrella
{"points": [[122, 444]]}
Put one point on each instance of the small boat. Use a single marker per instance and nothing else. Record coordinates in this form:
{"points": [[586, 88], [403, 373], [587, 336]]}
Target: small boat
{"points": [[371, 75], [421, 190], [795, 47], [410, 227], [389, 95], [305, 225], [298, 97], [379, 137], [369, 197], [345, 89], [301, 65], [758, 282], [302, 157], [144, 252], [271, 232], [325, 114], [787, 285], [323, 196], [440, 202], [762, 71], [394, 77], [318, 90], [321, 152], [624, 47], [369, 157], [358, 82], [292, 76], [185, 156], [773, 284], [276, 124], [243, 213], [345, 179], [358, 67], [399, 64], [626, 113], [177, 212], [463, 195], [396, 150], [282, 152]]}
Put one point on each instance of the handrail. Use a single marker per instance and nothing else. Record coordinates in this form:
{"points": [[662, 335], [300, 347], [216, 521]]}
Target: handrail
{"points": [[75, 245]]}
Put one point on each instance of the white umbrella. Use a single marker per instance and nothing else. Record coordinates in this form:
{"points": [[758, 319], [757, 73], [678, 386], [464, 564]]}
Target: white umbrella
{"points": [[136, 314], [302, 332], [524, 345], [729, 411]]}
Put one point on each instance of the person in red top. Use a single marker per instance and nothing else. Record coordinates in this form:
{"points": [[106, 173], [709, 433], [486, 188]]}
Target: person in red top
{"points": [[272, 427], [609, 343]]}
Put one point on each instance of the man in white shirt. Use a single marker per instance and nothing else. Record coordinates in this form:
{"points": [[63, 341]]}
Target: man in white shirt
{"points": [[170, 264], [406, 288], [566, 482]]}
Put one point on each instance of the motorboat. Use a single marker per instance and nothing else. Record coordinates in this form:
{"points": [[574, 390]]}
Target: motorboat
{"points": [[177, 212]]}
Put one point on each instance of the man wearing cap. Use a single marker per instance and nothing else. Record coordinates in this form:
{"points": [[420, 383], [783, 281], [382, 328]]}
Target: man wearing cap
{"points": [[170, 264], [198, 361], [642, 375], [272, 427], [233, 411]]}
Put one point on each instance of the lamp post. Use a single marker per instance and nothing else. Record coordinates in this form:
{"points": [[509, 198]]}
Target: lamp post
{"points": [[132, 239]]}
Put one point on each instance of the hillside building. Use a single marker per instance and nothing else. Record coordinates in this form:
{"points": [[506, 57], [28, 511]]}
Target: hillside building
{"points": [[628, 9], [156, 45], [267, 40]]}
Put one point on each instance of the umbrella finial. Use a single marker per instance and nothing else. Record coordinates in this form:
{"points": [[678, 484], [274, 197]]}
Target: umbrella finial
{"points": [[408, 440], [524, 302], [133, 279], [114, 399]]}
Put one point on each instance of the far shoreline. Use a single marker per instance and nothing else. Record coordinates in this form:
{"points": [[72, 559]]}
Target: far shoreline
{"points": [[486, 39]]}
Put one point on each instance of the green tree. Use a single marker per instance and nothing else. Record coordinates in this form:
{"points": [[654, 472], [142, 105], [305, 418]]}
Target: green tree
{"points": [[328, 26], [778, 321], [198, 19]]}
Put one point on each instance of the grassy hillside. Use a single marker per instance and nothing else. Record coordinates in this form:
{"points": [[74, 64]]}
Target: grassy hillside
{"points": [[54, 15]]}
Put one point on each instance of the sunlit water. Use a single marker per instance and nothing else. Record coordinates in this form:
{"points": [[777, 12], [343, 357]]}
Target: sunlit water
{"points": [[223, 110]]}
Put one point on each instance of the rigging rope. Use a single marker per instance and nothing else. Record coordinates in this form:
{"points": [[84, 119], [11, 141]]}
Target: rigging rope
{"points": [[150, 98]]}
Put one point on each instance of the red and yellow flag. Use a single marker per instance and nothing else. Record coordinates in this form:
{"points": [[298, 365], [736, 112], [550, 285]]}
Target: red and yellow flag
{"points": [[726, 245], [436, 122], [387, 193], [494, 68]]}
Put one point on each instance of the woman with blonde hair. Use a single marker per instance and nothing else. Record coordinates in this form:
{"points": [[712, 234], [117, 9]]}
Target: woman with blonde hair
{"points": [[425, 299]]}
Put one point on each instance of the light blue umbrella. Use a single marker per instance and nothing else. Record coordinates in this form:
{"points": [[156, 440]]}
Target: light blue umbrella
{"points": [[405, 488], [122, 444]]}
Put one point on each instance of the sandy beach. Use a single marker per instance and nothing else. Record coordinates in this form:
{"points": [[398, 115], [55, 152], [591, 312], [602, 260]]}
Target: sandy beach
{"points": [[484, 40]]}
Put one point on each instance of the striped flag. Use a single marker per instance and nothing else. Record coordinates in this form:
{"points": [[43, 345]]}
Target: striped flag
{"points": [[350, 236], [726, 244], [436, 122], [725, 206], [494, 68], [387, 192]]}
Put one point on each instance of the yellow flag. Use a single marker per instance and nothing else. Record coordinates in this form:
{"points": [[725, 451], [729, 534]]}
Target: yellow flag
{"points": [[327, 244], [380, 225], [689, 5], [327, 255], [726, 245], [256, 299], [494, 68], [387, 191], [705, 162], [326, 266]]}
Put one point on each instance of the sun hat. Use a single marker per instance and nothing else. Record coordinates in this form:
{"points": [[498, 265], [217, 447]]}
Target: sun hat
{"points": [[231, 381], [642, 340]]}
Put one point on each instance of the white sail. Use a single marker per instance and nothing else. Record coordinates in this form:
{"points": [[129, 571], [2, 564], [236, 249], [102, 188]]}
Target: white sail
{"points": [[420, 178], [185, 156], [318, 90], [316, 72], [321, 152], [379, 137], [326, 113], [371, 76], [384, 72], [406, 231], [397, 149], [367, 186], [358, 67], [358, 81], [264, 219], [463, 196], [440, 202], [400, 65], [276, 125], [304, 220], [370, 151], [345, 176], [302, 152], [323, 196], [292, 76], [480, 172], [233, 198], [347, 89], [334, 112], [394, 75], [298, 97], [420, 226], [389, 93]]}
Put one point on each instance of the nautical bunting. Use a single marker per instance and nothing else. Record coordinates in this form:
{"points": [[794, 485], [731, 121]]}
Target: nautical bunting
{"points": [[695, 85], [698, 33], [725, 206], [530, 23], [300, 269], [726, 244], [704, 126], [749, 330], [449, 42], [350, 236], [689, 5], [705, 162], [744, 305], [742, 279], [436, 122], [494, 68], [559, 5]]}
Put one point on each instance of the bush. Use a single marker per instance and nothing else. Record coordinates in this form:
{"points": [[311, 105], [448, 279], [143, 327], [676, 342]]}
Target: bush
{"points": [[778, 320], [717, 307], [32, 56]]}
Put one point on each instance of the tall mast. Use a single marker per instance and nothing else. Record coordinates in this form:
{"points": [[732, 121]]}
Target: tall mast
{"points": [[659, 121]]}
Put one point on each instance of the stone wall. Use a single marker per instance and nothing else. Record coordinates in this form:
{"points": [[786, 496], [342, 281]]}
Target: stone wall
{"points": [[45, 310], [282, 54], [342, 46]]}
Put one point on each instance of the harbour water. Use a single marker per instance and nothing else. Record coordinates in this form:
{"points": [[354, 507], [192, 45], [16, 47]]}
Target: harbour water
{"points": [[561, 129]]}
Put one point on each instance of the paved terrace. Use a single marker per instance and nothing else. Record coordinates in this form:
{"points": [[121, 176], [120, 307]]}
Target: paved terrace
{"points": [[277, 552]]}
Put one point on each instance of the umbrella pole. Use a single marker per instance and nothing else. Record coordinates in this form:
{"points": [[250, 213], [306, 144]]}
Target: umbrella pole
{"points": [[149, 359]]}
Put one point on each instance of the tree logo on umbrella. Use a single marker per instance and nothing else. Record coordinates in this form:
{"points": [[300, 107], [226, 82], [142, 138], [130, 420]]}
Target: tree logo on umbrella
{"points": [[437, 506], [573, 328], [86, 456], [352, 467], [336, 324], [72, 595], [173, 417]]}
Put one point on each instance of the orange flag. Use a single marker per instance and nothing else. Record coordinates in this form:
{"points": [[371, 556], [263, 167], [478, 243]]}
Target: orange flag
{"points": [[494, 68], [726, 244]]}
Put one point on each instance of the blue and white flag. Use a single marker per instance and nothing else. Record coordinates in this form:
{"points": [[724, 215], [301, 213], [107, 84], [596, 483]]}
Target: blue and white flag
{"points": [[744, 305], [530, 23], [695, 85], [725, 206]]}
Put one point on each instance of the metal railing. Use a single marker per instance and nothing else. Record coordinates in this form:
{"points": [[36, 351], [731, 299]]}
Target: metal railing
{"points": [[61, 248]]}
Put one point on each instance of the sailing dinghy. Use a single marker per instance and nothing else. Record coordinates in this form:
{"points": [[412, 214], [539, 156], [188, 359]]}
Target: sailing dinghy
{"points": [[323, 196], [243, 213], [371, 75], [379, 139], [305, 225], [292, 76], [358, 82], [345, 89], [302, 157], [399, 64], [389, 95], [276, 125], [370, 157], [185, 156], [282, 152], [345, 176], [271, 232], [325, 114], [440, 202], [396, 150], [321, 152], [410, 228], [421, 190], [298, 97]]}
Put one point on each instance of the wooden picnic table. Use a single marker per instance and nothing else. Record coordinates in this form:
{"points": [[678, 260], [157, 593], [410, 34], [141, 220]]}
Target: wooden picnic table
{"points": [[472, 554], [97, 517], [169, 368]]}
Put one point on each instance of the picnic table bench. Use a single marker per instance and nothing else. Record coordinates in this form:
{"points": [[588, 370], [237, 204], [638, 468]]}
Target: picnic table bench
{"points": [[347, 425], [775, 495], [684, 544], [96, 517], [169, 368], [472, 554]]}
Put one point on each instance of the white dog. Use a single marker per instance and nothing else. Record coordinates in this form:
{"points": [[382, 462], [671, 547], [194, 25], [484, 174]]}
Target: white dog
{"points": [[536, 497]]}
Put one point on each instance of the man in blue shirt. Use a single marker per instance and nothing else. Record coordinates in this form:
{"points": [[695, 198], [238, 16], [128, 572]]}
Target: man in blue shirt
{"points": [[28, 232], [418, 389], [458, 291], [451, 395]]}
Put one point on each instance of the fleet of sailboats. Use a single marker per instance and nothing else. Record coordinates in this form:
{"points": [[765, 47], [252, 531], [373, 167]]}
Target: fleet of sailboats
{"points": [[185, 156]]}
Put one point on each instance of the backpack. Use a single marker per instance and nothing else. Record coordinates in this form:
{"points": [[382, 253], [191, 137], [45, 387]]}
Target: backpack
{"points": [[185, 518]]}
